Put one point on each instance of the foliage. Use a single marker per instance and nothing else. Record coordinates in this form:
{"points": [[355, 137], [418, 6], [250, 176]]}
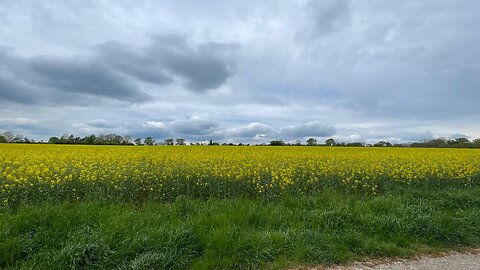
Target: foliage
{"points": [[277, 143], [382, 144], [180, 141], [447, 143], [311, 142], [108, 139], [169, 141], [330, 142], [149, 141]]}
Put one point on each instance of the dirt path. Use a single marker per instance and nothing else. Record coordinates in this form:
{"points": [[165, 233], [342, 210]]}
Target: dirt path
{"points": [[449, 261]]}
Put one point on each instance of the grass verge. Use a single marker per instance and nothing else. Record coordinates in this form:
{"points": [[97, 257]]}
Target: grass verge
{"points": [[238, 233]]}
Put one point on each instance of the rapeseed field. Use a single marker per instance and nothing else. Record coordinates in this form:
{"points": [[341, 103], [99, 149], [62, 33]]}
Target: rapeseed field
{"points": [[51, 172]]}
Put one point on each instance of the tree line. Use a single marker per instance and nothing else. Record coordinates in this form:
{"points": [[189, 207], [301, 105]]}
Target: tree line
{"points": [[115, 139], [433, 143]]}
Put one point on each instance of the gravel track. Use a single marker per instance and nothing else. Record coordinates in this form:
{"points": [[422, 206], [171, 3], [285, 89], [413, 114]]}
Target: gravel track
{"points": [[469, 260]]}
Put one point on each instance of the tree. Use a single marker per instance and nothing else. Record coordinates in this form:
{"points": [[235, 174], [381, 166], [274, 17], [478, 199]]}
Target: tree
{"points": [[180, 141], [92, 139], [117, 139], [462, 140], [3, 139], [138, 141], [311, 142], [149, 141], [169, 141], [277, 143], [9, 136], [382, 144], [211, 142], [354, 144], [476, 142], [330, 142], [53, 140], [18, 138], [127, 140]]}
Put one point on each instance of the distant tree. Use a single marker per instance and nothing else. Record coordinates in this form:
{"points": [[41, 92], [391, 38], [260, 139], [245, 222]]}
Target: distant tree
{"points": [[476, 142], [277, 143], [169, 141], [3, 139], [9, 136], [382, 144], [117, 139], [330, 142], [180, 141], [210, 142], [297, 143], [149, 141], [18, 139], [138, 141], [53, 140], [462, 140], [127, 140], [312, 142], [354, 144], [92, 139]]}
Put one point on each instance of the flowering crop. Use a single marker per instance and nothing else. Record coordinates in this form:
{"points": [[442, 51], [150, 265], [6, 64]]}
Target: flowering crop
{"points": [[127, 173]]}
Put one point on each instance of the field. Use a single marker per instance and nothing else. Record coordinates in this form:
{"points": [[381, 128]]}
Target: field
{"points": [[138, 174], [231, 207]]}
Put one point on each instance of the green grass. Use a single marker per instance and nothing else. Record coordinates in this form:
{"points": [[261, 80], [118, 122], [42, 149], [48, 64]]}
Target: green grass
{"points": [[238, 233]]}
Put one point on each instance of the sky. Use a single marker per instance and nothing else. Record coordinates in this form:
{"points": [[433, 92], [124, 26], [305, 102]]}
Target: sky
{"points": [[241, 71]]}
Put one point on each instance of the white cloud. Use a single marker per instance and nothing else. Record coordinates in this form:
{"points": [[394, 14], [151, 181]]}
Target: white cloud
{"points": [[18, 121], [251, 130], [155, 124]]}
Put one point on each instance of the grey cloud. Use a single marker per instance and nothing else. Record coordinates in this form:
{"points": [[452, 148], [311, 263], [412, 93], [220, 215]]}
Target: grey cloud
{"points": [[310, 129], [124, 59], [328, 15], [113, 71], [201, 67], [13, 91], [61, 80], [12, 85], [204, 67], [193, 126], [102, 123], [84, 76]]}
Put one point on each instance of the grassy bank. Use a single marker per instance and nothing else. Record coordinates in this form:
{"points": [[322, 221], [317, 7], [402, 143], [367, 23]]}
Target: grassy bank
{"points": [[238, 233]]}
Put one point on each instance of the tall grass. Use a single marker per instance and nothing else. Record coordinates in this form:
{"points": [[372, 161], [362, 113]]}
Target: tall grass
{"points": [[238, 233]]}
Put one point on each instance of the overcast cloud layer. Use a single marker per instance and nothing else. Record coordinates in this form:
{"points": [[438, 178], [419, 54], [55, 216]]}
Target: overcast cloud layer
{"points": [[241, 71]]}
